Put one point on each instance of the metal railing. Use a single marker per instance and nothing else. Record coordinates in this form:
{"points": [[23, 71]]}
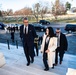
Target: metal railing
{"points": [[36, 41], [8, 42]]}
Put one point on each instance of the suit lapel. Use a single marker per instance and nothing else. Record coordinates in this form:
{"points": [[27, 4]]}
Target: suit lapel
{"points": [[28, 29], [23, 29]]}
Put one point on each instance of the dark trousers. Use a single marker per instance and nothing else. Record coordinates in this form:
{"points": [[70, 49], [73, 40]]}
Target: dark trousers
{"points": [[29, 54], [36, 46], [45, 60], [61, 54], [12, 37]]}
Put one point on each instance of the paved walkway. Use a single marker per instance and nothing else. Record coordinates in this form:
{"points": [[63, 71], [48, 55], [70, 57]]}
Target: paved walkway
{"points": [[16, 63]]}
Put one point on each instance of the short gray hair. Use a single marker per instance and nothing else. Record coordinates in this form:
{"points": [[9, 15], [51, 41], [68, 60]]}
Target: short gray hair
{"points": [[58, 29], [25, 18]]}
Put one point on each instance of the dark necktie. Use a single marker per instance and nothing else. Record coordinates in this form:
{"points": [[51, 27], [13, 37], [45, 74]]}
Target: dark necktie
{"points": [[25, 30]]}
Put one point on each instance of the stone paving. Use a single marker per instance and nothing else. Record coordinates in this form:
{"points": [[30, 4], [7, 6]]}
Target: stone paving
{"points": [[16, 63]]}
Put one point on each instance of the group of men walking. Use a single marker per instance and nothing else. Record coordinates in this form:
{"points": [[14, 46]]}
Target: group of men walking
{"points": [[28, 35]]}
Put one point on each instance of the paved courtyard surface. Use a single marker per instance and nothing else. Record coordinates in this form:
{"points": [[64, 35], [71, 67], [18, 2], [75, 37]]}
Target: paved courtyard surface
{"points": [[71, 37], [16, 63]]}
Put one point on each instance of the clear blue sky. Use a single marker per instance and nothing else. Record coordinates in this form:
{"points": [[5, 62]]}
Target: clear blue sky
{"points": [[18, 4]]}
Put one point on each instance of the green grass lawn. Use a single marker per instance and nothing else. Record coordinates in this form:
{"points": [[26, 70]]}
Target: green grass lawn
{"points": [[34, 20]]}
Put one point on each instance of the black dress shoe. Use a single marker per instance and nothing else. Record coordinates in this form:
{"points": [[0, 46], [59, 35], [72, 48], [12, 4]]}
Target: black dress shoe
{"points": [[28, 64], [53, 66], [32, 60], [46, 69], [60, 62], [37, 54]]}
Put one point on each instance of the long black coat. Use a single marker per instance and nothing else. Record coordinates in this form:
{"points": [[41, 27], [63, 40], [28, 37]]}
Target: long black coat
{"points": [[12, 29], [31, 35], [63, 42]]}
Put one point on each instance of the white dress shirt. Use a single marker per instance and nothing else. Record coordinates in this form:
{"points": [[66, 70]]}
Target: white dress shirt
{"points": [[47, 39], [58, 40]]}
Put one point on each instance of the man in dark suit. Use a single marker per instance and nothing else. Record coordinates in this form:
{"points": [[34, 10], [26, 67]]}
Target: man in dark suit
{"points": [[61, 46], [27, 34], [12, 30]]}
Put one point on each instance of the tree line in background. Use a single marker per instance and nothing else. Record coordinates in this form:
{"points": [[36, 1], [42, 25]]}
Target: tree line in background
{"points": [[40, 9]]}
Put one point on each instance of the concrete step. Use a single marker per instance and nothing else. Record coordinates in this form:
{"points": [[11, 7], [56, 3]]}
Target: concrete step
{"points": [[6, 72], [60, 69], [16, 62], [34, 70], [24, 70], [17, 70]]}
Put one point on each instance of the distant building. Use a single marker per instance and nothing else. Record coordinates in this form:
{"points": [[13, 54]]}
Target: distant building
{"points": [[72, 11]]}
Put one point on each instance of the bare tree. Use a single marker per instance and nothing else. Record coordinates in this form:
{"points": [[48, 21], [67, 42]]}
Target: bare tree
{"points": [[43, 9], [9, 12], [0, 14], [0, 10], [58, 9], [36, 10], [25, 11], [40, 9]]}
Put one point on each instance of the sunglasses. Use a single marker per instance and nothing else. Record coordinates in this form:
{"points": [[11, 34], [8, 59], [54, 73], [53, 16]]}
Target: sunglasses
{"points": [[57, 32]]}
